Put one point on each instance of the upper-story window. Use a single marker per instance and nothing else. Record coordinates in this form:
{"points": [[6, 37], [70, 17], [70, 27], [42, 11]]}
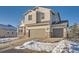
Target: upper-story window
{"points": [[42, 16], [30, 17]]}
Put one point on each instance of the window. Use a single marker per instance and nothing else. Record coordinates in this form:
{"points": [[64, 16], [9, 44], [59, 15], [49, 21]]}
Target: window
{"points": [[12, 32], [42, 16], [57, 33], [30, 17]]}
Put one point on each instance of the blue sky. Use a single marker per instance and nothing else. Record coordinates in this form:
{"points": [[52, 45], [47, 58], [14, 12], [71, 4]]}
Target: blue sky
{"points": [[13, 14]]}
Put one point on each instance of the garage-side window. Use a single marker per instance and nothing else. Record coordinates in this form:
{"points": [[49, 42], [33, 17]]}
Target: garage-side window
{"points": [[58, 33]]}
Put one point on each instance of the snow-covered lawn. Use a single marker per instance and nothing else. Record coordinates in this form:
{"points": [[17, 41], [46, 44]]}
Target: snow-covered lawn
{"points": [[66, 46], [63, 46], [73, 47], [4, 40], [38, 46]]}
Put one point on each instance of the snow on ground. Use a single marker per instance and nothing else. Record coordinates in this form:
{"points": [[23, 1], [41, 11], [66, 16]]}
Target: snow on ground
{"points": [[63, 46], [4, 40], [66, 46], [73, 47], [38, 46]]}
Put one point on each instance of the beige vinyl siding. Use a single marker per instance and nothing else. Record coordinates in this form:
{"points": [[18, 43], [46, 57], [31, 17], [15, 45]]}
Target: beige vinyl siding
{"points": [[46, 12], [33, 14]]}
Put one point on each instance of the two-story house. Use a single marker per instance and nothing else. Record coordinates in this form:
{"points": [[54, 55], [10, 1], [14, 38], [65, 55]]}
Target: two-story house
{"points": [[42, 22]]}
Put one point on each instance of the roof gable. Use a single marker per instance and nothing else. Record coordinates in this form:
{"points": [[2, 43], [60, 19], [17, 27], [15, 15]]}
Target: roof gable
{"points": [[40, 8]]}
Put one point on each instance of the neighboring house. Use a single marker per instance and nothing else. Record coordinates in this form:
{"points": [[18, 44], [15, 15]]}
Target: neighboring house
{"points": [[7, 31], [43, 23]]}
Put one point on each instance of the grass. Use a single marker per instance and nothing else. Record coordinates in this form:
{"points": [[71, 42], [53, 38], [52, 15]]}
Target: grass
{"points": [[13, 43]]}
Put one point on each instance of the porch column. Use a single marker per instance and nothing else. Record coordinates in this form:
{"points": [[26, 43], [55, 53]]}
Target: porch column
{"points": [[65, 33]]}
